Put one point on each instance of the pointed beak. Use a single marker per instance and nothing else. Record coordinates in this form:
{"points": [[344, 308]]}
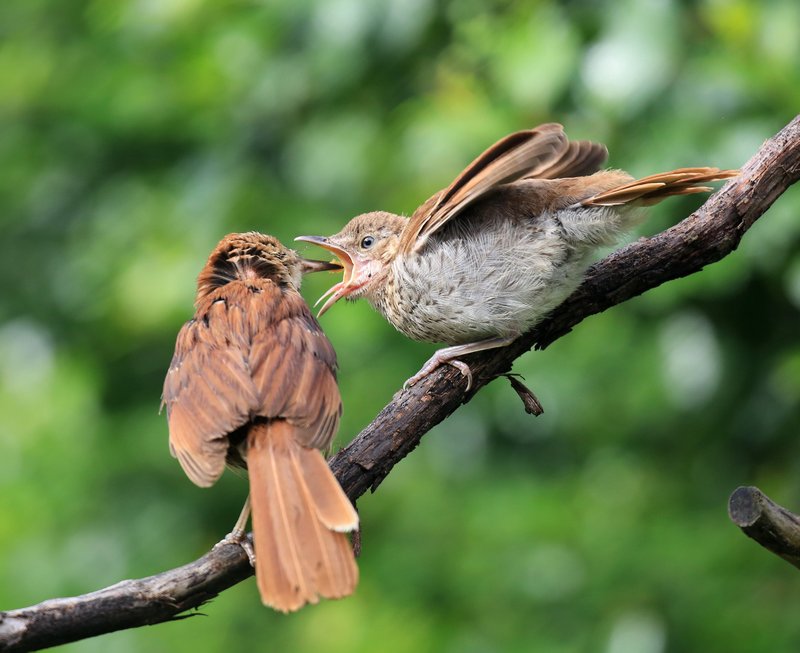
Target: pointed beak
{"points": [[310, 265], [341, 289]]}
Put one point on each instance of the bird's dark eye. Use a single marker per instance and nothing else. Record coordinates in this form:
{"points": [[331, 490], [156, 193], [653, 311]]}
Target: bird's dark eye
{"points": [[367, 242]]}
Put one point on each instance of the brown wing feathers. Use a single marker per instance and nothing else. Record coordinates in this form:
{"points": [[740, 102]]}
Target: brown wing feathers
{"points": [[505, 161], [509, 159], [208, 393], [254, 354], [293, 365], [580, 158], [543, 152], [228, 366]]}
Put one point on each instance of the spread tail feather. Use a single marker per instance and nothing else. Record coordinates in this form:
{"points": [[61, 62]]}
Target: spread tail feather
{"points": [[300, 515], [653, 189]]}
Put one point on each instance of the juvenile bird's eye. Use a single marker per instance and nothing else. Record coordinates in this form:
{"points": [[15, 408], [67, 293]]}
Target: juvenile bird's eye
{"points": [[367, 242]]}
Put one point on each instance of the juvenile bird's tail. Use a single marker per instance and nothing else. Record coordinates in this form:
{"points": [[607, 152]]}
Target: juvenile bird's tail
{"points": [[604, 216], [653, 189], [300, 517]]}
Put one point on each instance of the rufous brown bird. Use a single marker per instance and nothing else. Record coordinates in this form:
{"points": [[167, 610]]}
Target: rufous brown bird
{"points": [[485, 259], [253, 384]]}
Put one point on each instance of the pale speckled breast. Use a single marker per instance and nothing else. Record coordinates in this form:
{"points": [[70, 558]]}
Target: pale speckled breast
{"points": [[481, 278]]}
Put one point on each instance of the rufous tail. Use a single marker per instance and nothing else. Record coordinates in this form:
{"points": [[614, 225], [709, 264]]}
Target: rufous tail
{"points": [[300, 519], [653, 189]]}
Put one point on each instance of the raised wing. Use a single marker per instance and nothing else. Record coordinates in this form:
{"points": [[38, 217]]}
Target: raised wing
{"points": [[580, 158], [251, 351], [543, 152]]}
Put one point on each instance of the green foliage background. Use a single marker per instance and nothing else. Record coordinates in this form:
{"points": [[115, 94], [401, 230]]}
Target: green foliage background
{"points": [[136, 133]]}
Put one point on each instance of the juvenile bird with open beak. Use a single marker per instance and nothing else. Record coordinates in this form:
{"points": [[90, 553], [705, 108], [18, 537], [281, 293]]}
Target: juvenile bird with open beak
{"points": [[484, 260]]}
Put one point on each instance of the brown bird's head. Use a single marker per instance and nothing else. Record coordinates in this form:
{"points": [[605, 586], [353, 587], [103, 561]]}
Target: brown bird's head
{"points": [[252, 255], [365, 247]]}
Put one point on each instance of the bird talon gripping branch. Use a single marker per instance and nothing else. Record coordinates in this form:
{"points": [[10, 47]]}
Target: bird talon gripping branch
{"points": [[435, 361], [240, 539], [462, 367]]}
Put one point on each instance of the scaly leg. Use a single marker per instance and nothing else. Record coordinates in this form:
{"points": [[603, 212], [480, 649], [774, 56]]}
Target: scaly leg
{"points": [[450, 355], [239, 533]]}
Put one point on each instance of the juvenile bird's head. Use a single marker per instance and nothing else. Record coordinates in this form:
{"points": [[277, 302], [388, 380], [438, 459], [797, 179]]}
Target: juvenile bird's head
{"points": [[365, 247], [252, 255]]}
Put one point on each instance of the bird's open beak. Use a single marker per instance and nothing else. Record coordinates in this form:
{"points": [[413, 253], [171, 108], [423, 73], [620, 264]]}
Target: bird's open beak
{"points": [[343, 288], [310, 265]]}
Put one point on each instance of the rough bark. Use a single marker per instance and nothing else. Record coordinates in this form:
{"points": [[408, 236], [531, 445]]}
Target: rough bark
{"points": [[709, 234], [127, 604]]}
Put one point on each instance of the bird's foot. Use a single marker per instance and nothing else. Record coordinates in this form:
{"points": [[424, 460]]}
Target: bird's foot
{"points": [[238, 534], [435, 361], [450, 355], [239, 537]]}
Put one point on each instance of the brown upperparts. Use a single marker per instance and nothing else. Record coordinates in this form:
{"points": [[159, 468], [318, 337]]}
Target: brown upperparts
{"points": [[253, 383]]}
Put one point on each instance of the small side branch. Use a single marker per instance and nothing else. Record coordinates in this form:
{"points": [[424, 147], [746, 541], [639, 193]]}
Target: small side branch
{"points": [[772, 526]]}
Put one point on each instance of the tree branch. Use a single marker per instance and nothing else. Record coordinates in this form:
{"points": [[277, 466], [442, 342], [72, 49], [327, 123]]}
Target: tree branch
{"points": [[706, 236], [760, 518], [127, 604]]}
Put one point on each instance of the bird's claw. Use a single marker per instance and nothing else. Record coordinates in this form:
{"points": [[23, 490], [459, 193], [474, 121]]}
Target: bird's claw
{"points": [[433, 363], [462, 367], [239, 537]]}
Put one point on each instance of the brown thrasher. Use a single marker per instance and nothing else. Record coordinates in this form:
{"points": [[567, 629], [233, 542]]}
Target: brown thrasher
{"points": [[484, 260], [253, 384]]}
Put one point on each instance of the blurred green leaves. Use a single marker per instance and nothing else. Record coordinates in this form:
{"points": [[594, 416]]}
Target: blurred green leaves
{"points": [[136, 133]]}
